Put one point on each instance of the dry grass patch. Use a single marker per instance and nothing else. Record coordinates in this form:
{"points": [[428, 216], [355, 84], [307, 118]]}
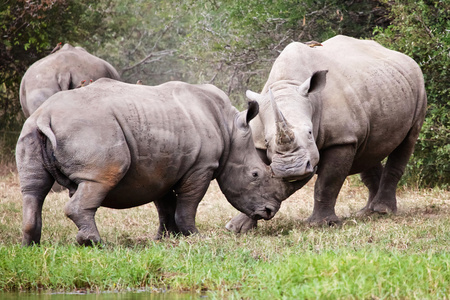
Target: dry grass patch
{"points": [[138, 225]]}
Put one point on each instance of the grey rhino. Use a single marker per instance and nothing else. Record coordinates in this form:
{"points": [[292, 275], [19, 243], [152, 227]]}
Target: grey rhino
{"points": [[60, 71], [122, 145], [341, 109]]}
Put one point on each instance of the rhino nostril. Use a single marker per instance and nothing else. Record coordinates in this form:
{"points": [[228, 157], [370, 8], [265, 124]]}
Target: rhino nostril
{"points": [[268, 211], [308, 166]]}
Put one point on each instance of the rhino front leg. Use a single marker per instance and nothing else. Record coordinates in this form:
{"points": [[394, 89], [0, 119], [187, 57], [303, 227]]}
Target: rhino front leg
{"points": [[189, 195], [241, 224], [81, 210], [334, 166], [166, 207]]}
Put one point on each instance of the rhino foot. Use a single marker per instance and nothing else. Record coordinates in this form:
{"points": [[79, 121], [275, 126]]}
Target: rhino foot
{"points": [[378, 208], [241, 224], [364, 212], [330, 220], [383, 208], [86, 239]]}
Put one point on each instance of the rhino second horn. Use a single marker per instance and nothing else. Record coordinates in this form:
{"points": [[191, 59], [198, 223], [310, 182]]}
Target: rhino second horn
{"points": [[284, 133]]}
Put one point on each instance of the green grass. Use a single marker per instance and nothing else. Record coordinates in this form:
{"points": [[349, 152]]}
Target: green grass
{"points": [[69, 268], [406, 256]]}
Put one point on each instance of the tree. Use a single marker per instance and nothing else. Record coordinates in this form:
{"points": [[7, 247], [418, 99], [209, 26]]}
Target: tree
{"points": [[234, 43], [140, 40], [29, 30]]}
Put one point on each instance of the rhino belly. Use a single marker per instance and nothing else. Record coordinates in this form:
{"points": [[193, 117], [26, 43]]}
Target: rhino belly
{"points": [[128, 195], [145, 181], [375, 151]]}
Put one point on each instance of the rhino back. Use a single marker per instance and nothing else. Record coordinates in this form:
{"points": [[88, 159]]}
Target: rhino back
{"points": [[159, 135], [372, 98], [60, 71]]}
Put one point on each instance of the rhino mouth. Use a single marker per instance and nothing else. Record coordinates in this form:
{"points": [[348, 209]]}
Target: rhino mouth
{"points": [[266, 213], [292, 169], [304, 178]]}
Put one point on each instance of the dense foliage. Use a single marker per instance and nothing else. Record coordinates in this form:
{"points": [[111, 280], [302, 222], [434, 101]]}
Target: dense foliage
{"points": [[231, 44], [28, 31]]}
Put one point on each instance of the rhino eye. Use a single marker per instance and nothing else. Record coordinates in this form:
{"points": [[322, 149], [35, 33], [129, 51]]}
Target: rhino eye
{"points": [[255, 174]]}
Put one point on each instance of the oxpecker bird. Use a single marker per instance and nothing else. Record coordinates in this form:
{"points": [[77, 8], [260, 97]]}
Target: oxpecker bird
{"points": [[313, 44], [58, 46], [82, 83]]}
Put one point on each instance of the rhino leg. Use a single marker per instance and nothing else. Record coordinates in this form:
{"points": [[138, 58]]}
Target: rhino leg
{"points": [[82, 207], [189, 194], [371, 178], [241, 224], [33, 199], [166, 207], [385, 200], [35, 183], [334, 166]]}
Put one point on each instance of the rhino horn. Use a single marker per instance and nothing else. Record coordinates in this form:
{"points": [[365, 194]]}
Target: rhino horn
{"points": [[284, 133]]}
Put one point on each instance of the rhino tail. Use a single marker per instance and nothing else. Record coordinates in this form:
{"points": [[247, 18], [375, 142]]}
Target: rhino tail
{"points": [[43, 125], [45, 133]]}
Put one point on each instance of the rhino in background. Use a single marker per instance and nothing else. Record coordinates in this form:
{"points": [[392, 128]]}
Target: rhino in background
{"points": [[341, 109], [122, 145], [62, 70]]}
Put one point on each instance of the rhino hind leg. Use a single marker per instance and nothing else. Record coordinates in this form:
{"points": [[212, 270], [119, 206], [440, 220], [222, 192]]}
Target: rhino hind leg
{"points": [[81, 210], [241, 224], [385, 200], [33, 201], [371, 179], [35, 184], [166, 207]]}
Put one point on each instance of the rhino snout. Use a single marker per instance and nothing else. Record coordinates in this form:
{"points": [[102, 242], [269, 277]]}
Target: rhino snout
{"points": [[266, 213]]}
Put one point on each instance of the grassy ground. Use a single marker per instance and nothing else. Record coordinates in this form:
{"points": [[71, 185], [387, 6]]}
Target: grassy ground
{"points": [[406, 256]]}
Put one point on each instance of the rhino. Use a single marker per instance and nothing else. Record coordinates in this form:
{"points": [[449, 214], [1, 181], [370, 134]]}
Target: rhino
{"points": [[337, 110], [122, 145], [62, 70]]}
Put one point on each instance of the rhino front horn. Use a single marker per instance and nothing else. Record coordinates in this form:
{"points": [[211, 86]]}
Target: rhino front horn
{"points": [[284, 133]]}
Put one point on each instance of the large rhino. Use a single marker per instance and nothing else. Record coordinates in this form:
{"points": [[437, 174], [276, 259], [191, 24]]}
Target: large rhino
{"points": [[60, 71], [122, 145], [341, 108]]}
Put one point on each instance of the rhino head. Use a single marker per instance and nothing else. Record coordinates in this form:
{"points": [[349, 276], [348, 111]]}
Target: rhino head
{"points": [[285, 127], [245, 180]]}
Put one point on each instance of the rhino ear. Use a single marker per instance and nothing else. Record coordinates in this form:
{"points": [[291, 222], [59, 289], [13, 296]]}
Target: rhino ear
{"points": [[252, 111], [313, 84], [252, 95], [246, 116], [64, 81]]}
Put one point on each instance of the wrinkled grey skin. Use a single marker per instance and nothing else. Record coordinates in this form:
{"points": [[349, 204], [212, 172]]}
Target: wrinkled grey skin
{"points": [[342, 108], [60, 71], [122, 145]]}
